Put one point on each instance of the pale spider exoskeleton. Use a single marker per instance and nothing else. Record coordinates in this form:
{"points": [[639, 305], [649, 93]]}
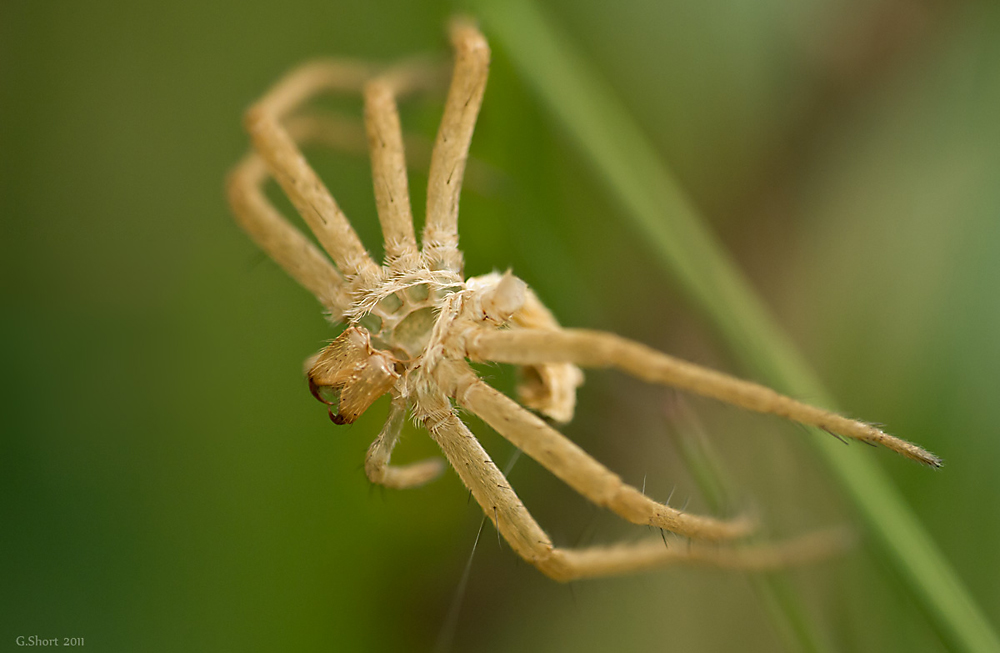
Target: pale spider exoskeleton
{"points": [[414, 323]]}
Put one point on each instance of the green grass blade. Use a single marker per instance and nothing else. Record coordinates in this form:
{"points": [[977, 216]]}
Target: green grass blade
{"points": [[780, 600], [637, 178]]}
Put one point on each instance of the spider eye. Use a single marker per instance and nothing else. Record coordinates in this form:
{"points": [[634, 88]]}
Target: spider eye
{"points": [[349, 375]]}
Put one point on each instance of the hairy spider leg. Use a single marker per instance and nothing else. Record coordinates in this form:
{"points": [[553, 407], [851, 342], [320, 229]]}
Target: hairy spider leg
{"points": [[579, 470], [451, 149], [290, 169], [392, 194], [257, 215], [598, 349], [398, 477], [512, 520], [284, 243]]}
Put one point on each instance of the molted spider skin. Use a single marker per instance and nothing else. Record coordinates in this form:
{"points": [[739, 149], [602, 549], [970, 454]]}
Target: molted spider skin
{"points": [[414, 324]]}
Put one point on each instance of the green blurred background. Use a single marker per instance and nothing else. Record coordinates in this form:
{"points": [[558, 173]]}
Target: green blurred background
{"points": [[168, 483]]}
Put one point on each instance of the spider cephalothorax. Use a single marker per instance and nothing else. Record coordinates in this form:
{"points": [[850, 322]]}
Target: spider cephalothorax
{"points": [[400, 330], [414, 324]]}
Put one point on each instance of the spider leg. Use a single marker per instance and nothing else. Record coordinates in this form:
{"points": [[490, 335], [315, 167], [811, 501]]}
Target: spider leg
{"points": [[292, 172], [484, 479], [398, 477], [650, 553], [451, 149], [392, 195], [598, 349], [512, 520], [284, 243], [579, 470]]}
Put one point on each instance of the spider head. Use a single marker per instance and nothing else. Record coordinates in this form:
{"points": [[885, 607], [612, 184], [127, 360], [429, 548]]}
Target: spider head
{"points": [[349, 375]]}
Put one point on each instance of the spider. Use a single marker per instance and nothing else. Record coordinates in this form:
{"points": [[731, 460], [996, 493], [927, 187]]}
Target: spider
{"points": [[415, 323]]}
